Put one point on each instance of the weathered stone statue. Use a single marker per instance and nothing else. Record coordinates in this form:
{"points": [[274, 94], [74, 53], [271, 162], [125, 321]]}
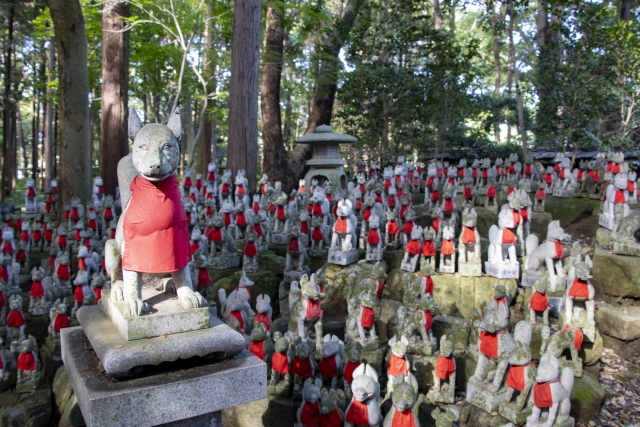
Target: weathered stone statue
{"points": [[304, 305], [412, 250], [428, 250], [502, 260], [361, 319], [344, 240], [15, 319], [403, 410], [551, 395], [397, 362], [469, 250], [331, 349], [308, 414], [615, 206], [539, 304], [580, 290], [280, 381], [546, 259], [364, 409], [447, 249], [28, 366], [445, 370]]}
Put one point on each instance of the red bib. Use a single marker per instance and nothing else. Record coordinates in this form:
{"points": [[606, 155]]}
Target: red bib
{"points": [[508, 236], [491, 192], [366, 214], [82, 264], [257, 228], [435, 196], [63, 272], [332, 419], [392, 228], [280, 212], [448, 205], [619, 198], [309, 416], [313, 309], [467, 192], [579, 289], [301, 367], [539, 302], [26, 362], [489, 343], [373, 238], [250, 249], [237, 315], [304, 227], [215, 235], [37, 290], [436, 225], [280, 363], [515, 379], [524, 213], [428, 249], [542, 396], [316, 234], [264, 319], [341, 225], [540, 195], [155, 222], [413, 247], [468, 235], [204, 279], [4, 274], [358, 413], [7, 248], [397, 365], [257, 349], [24, 236], [77, 294], [241, 220], [445, 367], [403, 419], [293, 245], [407, 228], [328, 367], [348, 371], [447, 247], [367, 319], [62, 321], [15, 319]]}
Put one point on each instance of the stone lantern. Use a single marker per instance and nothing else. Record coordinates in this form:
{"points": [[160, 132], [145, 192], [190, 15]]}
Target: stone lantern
{"points": [[326, 163]]}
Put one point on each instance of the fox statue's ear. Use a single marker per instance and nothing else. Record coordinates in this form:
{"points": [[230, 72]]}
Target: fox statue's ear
{"points": [[175, 123], [135, 124]]}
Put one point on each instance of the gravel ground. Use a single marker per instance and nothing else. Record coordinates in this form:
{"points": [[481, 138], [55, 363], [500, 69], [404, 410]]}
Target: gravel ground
{"points": [[621, 381]]}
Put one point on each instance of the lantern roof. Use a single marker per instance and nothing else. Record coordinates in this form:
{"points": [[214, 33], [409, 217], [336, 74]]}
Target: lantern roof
{"points": [[324, 134]]}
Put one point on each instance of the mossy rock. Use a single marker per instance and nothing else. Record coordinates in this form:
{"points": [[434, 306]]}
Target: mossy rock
{"points": [[586, 398], [72, 416], [591, 351], [485, 220], [272, 263], [36, 407], [455, 328], [624, 349], [316, 263], [422, 368], [393, 286], [62, 390], [615, 275], [280, 250], [480, 418], [540, 222], [389, 309], [569, 210], [624, 325], [375, 358], [603, 238], [269, 412], [393, 259], [221, 274]]}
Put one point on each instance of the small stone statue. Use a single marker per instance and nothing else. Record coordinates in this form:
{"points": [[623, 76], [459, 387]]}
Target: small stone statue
{"points": [[521, 376], [344, 240], [553, 394], [296, 253], [331, 404], [428, 250], [430, 186], [330, 366], [445, 371], [308, 414], [62, 273], [58, 319], [447, 249], [469, 245], [235, 309], [539, 304], [491, 202], [30, 197], [416, 325], [539, 200], [364, 409], [280, 365], [200, 273], [352, 354], [403, 410], [82, 294], [250, 259], [548, 255], [398, 362], [28, 366], [37, 294], [581, 290], [304, 305], [303, 366], [374, 239], [392, 234], [264, 312], [317, 236], [502, 247], [412, 250], [261, 345], [15, 319], [615, 206], [362, 315], [570, 338]]}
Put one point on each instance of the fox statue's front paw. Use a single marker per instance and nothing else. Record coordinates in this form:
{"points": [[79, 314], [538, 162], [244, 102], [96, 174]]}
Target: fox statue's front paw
{"points": [[135, 308], [117, 291], [190, 299]]}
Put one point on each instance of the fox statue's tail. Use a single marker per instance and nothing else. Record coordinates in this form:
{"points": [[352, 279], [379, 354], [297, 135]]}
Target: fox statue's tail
{"points": [[531, 244]]}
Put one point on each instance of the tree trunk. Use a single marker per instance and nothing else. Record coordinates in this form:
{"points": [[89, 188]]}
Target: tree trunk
{"points": [[243, 89], [75, 140], [497, 44], [523, 131], [7, 107], [114, 141], [625, 10], [209, 68], [437, 15], [274, 156], [49, 150], [512, 59]]}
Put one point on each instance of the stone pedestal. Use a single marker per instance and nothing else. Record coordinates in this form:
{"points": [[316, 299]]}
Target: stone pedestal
{"points": [[607, 222], [374, 257], [280, 239], [119, 356], [502, 271], [511, 413], [181, 394], [470, 269], [443, 396], [225, 261], [543, 419], [480, 396], [296, 275], [342, 258], [412, 265]]}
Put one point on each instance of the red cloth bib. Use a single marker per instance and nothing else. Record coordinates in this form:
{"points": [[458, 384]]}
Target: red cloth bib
{"points": [[301, 367], [293, 245], [280, 363], [304, 227], [24, 236], [373, 238], [37, 235], [445, 367], [508, 236], [413, 247], [448, 205], [237, 315], [524, 213], [403, 419], [257, 228], [215, 235], [328, 367], [392, 227], [348, 371], [468, 235], [428, 249], [264, 319], [316, 234], [257, 349], [429, 182], [387, 184], [82, 264], [403, 211], [332, 419], [204, 279], [48, 235], [447, 247], [63, 272], [309, 416], [619, 198], [491, 192], [26, 362], [467, 192], [539, 302], [313, 309], [489, 343], [358, 413], [341, 225], [579, 289], [280, 212], [435, 196], [241, 220], [428, 284], [4, 274], [391, 202], [61, 322], [250, 249], [7, 248], [397, 365], [98, 292], [366, 214], [407, 228], [21, 256], [367, 319], [108, 214], [540, 195], [15, 319], [378, 198], [155, 221], [428, 319], [77, 294], [542, 396], [37, 290], [515, 379]]}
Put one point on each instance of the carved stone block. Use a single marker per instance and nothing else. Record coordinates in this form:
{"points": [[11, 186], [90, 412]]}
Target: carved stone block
{"points": [[470, 269], [502, 271], [342, 258]]}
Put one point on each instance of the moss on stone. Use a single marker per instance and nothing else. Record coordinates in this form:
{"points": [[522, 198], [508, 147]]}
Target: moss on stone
{"points": [[586, 398]]}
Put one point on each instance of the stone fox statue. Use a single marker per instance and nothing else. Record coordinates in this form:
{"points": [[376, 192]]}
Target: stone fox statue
{"points": [[152, 234]]}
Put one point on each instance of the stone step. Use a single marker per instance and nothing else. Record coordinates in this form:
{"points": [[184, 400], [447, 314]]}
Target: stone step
{"points": [[619, 322]]}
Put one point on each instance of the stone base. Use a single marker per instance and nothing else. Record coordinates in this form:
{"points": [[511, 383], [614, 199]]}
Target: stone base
{"points": [[223, 262], [119, 356], [543, 420], [596, 196], [509, 411], [491, 209], [296, 275], [282, 388], [563, 193], [160, 399], [410, 266], [502, 271], [626, 248], [373, 256], [423, 348], [26, 387], [607, 222], [280, 239], [548, 190], [342, 258], [166, 316], [318, 253], [556, 284], [470, 269], [447, 396], [482, 191], [478, 395]]}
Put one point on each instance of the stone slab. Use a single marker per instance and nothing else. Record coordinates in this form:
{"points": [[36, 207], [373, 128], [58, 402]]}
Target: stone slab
{"points": [[478, 395], [502, 271], [164, 398], [561, 192], [280, 239], [470, 269], [342, 258], [166, 316], [119, 356], [615, 275], [374, 257], [619, 322], [626, 248]]}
